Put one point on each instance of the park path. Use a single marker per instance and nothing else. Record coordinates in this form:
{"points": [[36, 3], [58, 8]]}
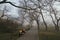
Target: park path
{"points": [[32, 34]]}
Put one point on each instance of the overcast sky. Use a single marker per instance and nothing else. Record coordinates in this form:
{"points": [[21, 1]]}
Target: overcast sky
{"points": [[14, 11]]}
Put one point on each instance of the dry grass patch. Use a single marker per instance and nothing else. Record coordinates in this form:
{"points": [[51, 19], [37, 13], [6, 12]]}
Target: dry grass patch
{"points": [[49, 35]]}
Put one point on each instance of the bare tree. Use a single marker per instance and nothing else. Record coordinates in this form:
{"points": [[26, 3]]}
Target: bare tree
{"points": [[34, 14], [3, 12], [23, 12], [53, 11]]}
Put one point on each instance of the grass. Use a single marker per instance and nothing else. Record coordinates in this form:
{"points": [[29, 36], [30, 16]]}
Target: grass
{"points": [[4, 36], [49, 35], [8, 36]]}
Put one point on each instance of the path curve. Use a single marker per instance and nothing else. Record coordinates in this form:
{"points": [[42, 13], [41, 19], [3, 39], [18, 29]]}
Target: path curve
{"points": [[32, 34]]}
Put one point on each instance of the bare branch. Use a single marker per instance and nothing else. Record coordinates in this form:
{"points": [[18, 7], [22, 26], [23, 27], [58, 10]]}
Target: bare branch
{"points": [[5, 1]]}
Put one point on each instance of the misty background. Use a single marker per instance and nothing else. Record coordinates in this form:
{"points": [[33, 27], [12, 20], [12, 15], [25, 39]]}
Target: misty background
{"points": [[13, 14]]}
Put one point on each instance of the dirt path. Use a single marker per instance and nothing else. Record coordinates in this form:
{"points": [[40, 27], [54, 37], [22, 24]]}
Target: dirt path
{"points": [[32, 34]]}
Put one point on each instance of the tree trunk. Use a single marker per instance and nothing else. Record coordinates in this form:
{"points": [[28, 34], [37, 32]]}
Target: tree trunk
{"points": [[57, 27], [43, 20], [38, 24], [38, 27]]}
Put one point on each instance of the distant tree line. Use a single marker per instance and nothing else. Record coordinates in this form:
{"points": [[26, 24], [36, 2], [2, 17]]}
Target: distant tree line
{"points": [[36, 11]]}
